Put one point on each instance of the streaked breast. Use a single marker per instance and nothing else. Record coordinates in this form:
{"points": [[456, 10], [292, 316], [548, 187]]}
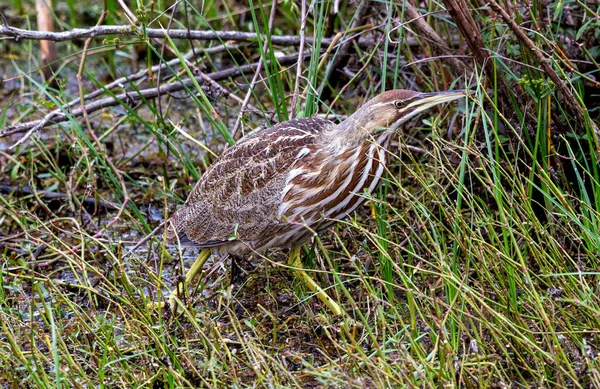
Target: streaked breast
{"points": [[331, 188]]}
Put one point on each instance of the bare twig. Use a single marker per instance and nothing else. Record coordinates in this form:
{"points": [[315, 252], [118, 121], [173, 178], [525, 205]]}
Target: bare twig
{"points": [[97, 31], [17, 34]]}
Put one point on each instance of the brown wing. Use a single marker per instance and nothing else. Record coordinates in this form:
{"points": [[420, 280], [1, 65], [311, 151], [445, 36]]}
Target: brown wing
{"points": [[239, 195]]}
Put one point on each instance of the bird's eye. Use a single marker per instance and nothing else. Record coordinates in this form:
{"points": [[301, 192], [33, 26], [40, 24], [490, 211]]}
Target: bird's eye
{"points": [[399, 104]]}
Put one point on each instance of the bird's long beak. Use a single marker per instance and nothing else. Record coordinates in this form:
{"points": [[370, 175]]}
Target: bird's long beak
{"points": [[424, 101]]}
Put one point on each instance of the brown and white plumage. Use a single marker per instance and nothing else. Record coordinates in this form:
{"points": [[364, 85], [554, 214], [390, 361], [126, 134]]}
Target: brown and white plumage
{"points": [[266, 190]]}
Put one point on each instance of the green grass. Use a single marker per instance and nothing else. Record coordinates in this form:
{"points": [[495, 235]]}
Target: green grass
{"points": [[475, 264]]}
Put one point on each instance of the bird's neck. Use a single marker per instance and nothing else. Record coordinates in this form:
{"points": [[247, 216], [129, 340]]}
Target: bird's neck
{"points": [[359, 128]]}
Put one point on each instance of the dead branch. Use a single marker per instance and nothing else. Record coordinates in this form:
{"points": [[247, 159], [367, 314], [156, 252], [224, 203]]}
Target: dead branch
{"points": [[17, 34], [93, 32]]}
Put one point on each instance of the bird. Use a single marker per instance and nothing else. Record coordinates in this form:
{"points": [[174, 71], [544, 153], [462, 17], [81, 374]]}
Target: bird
{"points": [[280, 186]]}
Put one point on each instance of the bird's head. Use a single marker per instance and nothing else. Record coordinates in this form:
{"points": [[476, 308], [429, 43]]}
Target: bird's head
{"points": [[397, 106], [390, 109]]}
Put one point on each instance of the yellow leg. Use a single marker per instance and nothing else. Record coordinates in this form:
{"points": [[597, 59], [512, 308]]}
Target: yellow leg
{"points": [[296, 262], [189, 276]]}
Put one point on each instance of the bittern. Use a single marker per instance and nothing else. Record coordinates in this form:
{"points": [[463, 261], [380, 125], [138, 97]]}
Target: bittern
{"points": [[283, 184]]}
